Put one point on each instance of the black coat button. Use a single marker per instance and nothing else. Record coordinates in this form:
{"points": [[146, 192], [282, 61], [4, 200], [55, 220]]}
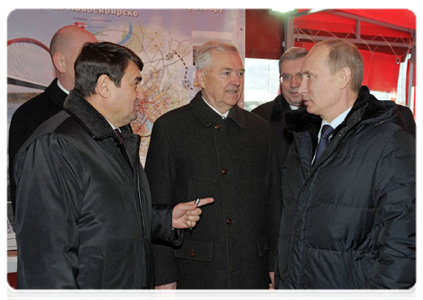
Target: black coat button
{"points": [[224, 171], [228, 221]]}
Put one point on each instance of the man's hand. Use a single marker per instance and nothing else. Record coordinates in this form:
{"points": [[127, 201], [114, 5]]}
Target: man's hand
{"points": [[166, 291], [186, 215], [272, 280]]}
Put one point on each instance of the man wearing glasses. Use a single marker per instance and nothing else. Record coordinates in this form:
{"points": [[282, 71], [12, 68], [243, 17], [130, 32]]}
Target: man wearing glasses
{"points": [[289, 99]]}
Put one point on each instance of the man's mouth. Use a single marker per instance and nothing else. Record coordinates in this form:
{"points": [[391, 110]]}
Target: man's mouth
{"points": [[232, 91]]}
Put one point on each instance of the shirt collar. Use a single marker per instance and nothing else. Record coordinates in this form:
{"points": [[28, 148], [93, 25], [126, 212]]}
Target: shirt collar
{"points": [[224, 116], [112, 125], [293, 107], [62, 88], [335, 122]]}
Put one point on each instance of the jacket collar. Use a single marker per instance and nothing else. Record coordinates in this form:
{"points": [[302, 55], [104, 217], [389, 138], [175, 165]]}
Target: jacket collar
{"points": [[208, 117], [280, 106], [98, 127], [56, 94], [87, 116]]}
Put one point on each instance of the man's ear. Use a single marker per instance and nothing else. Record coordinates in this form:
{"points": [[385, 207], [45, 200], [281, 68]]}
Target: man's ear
{"points": [[345, 77], [103, 86], [199, 76], [59, 62]]}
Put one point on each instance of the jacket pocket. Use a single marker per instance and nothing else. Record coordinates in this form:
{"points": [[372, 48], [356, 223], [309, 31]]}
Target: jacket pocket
{"points": [[195, 250]]}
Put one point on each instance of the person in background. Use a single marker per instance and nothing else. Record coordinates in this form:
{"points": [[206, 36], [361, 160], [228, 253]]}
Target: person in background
{"points": [[289, 99], [84, 217], [64, 49], [213, 148], [348, 218]]}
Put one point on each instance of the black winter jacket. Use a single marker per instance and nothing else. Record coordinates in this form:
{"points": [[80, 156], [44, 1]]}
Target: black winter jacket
{"points": [[348, 221], [84, 217]]}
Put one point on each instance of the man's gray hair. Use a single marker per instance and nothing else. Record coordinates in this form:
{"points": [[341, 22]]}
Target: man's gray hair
{"points": [[292, 53], [203, 57]]}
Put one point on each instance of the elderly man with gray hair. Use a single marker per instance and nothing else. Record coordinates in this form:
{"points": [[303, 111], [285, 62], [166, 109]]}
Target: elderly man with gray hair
{"points": [[213, 148]]}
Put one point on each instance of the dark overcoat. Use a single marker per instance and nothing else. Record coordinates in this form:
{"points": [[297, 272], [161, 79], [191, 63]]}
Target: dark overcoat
{"points": [[349, 220], [273, 112], [26, 119], [195, 153], [84, 217]]}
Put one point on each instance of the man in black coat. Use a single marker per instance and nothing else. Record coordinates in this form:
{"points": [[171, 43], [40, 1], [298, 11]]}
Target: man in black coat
{"points": [[289, 99], [64, 48], [348, 218], [84, 218], [213, 148], [290, 78]]}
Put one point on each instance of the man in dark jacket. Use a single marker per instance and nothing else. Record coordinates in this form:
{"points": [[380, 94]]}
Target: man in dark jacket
{"points": [[84, 217], [348, 218], [289, 99], [64, 49], [211, 147]]}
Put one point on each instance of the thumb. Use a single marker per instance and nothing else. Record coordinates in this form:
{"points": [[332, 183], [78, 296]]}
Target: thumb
{"points": [[205, 201]]}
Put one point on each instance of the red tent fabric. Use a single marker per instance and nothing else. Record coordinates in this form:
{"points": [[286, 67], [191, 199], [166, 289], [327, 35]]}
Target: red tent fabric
{"points": [[385, 38]]}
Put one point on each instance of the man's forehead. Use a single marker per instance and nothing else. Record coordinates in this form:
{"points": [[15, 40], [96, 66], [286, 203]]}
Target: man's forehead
{"points": [[289, 65], [315, 59]]}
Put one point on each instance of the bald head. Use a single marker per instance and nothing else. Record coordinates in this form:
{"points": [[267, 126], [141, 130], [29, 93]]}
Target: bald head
{"points": [[65, 46]]}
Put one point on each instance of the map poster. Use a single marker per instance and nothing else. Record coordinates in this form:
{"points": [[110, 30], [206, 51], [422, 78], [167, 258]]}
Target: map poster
{"points": [[165, 40]]}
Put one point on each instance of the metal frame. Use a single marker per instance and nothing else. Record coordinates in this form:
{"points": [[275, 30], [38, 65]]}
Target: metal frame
{"points": [[290, 36]]}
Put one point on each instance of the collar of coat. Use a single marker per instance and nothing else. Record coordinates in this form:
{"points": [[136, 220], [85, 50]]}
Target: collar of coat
{"points": [[97, 126], [56, 94], [280, 106], [366, 109], [208, 117]]}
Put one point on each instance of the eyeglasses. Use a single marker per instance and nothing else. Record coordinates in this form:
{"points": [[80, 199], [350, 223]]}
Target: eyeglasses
{"points": [[287, 78]]}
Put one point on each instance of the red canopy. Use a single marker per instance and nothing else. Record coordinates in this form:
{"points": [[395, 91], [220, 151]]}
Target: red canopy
{"points": [[385, 38]]}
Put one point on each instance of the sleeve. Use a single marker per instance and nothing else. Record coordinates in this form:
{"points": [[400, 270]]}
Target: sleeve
{"points": [[160, 170], [274, 198], [395, 193], [407, 116], [47, 207], [21, 128], [162, 231]]}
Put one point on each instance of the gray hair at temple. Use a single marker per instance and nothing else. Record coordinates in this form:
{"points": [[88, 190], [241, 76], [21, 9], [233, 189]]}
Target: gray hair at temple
{"points": [[292, 53], [204, 57]]}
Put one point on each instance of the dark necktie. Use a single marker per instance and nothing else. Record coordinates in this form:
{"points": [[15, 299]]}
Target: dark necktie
{"points": [[327, 130], [119, 134]]}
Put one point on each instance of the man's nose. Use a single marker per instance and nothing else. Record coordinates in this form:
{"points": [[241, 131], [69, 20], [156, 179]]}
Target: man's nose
{"points": [[237, 79], [296, 80], [302, 89]]}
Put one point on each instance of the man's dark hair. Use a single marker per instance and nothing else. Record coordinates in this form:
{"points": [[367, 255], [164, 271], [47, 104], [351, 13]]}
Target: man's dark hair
{"points": [[101, 58]]}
